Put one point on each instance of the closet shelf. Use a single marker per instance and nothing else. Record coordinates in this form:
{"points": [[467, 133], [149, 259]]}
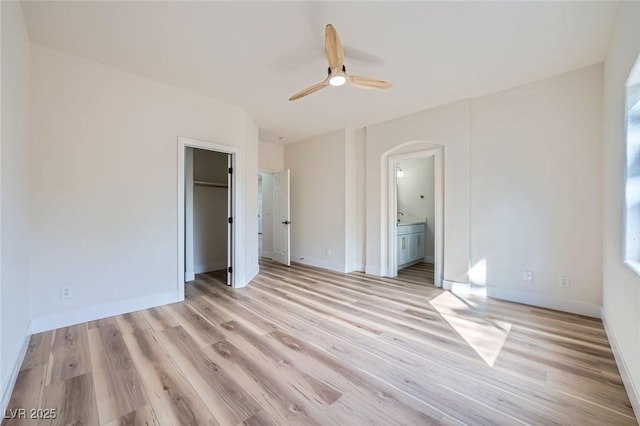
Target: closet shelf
{"points": [[211, 184]]}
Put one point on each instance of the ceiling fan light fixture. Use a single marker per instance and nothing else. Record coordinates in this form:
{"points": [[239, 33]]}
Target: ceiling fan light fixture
{"points": [[337, 72], [337, 80]]}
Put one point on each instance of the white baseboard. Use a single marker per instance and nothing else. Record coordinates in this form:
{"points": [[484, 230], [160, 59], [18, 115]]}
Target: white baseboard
{"points": [[447, 285], [94, 312], [428, 259], [373, 270], [625, 373], [544, 301], [211, 266], [251, 276], [358, 268], [305, 260], [461, 287], [354, 267], [7, 389], [267, 255], [189, 276]]}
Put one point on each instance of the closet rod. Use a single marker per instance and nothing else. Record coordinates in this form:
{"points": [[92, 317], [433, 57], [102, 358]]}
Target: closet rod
{"points": [[212, 184]]}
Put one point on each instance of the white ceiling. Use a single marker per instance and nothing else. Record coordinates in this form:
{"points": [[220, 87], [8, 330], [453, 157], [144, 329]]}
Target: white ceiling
{"points": [[257, 54]]}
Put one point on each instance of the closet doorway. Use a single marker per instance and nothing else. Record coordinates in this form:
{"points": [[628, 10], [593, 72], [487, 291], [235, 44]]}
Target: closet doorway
{"points": [[206, 211]]}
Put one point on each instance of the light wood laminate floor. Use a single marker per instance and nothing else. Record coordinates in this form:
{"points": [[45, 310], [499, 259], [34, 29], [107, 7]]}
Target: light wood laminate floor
{"points": [[305, 346], [420, 273]]}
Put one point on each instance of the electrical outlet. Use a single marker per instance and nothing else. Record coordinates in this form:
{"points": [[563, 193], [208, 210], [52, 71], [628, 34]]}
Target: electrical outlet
{"points": [[527, 276], [564, 282], [65, 293]]}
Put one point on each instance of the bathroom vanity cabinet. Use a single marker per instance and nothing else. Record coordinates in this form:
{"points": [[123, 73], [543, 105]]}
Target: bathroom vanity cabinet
{"points": [[410, 243]]}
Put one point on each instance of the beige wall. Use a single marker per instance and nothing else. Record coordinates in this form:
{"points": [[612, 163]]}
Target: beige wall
{"points": [[271, 157], [621, 286], [354, 197], [14, 190], [446, 126], [359, 167], [328, 200], [318, 200], [536, 184], [248, 201], [522, 177], [104, 182]]}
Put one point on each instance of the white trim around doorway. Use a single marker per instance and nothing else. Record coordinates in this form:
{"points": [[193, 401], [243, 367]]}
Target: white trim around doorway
{"points": [[236, 188], [392, 210]]}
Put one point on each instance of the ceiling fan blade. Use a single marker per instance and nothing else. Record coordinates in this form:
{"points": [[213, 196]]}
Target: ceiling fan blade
{"points": [[309, 90], [367, 82], [333, 48]]}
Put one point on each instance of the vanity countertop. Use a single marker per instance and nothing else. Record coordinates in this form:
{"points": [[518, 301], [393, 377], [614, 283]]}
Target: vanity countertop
{"points": [[410, 223]]}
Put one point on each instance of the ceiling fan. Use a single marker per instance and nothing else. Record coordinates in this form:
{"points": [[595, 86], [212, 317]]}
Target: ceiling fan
{"points": [[337, 75]]}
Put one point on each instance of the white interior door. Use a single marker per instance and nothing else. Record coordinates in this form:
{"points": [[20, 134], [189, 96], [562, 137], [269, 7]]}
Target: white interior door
{"points": [[281, 218], [230, 221]]}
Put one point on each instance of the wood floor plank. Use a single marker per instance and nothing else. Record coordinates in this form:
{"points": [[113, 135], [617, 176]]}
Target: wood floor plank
{"points": [[315, 389], [374, 397], [285, 406], [346, 317], [306, 346], [258, 419], [420, 348], [349, 409], [240, 313], [204, 332], [375, 317], [228, 402], [200, 305], [118, 388], [611, 396], [158, 319], [69, 356], [132, 322], [170, 394], [38, 350], [434, 349], [27, 394], [73, 399], [341, 377], [143, 416]]}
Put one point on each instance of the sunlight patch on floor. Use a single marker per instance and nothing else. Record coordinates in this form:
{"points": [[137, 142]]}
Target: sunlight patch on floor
{"points": [[485, 337]]}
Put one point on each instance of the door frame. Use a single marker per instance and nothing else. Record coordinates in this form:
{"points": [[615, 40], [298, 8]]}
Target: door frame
{"points": [[392, 208], [234, 185]]}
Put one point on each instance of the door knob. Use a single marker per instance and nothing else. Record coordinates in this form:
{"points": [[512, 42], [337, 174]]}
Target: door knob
{"points": [[286, 222]]}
